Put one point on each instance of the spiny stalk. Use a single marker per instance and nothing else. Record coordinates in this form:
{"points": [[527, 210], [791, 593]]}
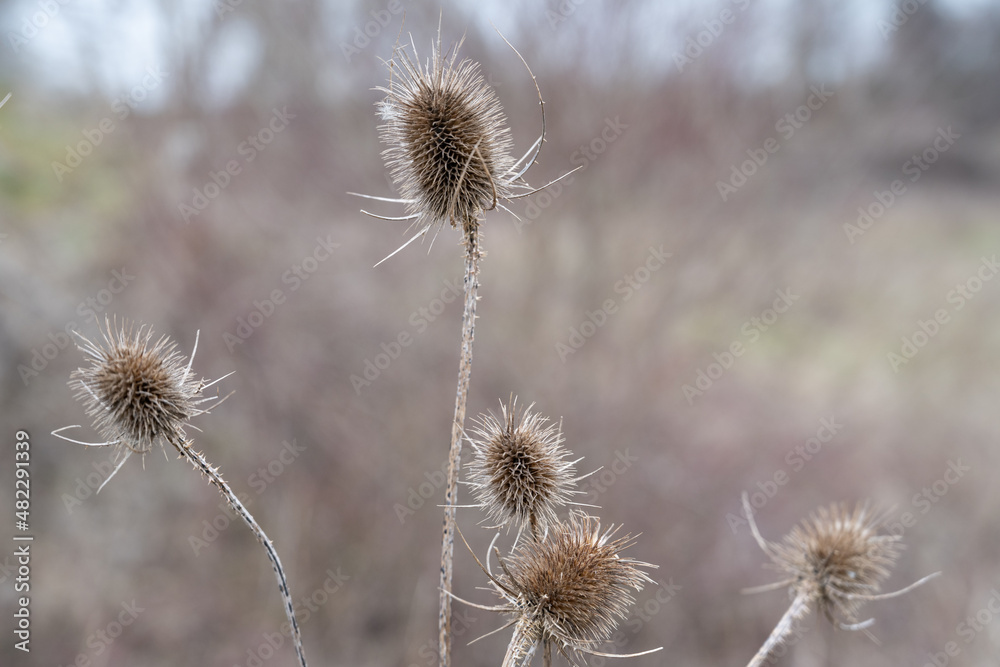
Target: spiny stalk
{"points": [[472, 256], [197, 459]]}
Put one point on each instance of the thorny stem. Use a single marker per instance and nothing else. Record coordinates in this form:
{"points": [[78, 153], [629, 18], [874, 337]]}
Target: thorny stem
{"points": [[523, 643], [798, 610], [197, 459], [472, 255]]}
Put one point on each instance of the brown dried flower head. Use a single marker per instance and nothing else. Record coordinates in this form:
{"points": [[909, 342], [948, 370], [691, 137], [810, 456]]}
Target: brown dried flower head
{"points": [[519, 473], [449, 144], [137, 393], [569, 589], [837, 558]]}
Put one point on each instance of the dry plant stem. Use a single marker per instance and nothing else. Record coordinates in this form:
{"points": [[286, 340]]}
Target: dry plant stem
{"points": [[799, 609], [472, 255], [215, 477], [522, 646]]}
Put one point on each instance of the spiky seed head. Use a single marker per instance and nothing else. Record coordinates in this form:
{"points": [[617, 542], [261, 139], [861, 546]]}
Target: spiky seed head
{"points": [[136, 393], [573, 586], [519, 472], [837, 557], [449, 144]]}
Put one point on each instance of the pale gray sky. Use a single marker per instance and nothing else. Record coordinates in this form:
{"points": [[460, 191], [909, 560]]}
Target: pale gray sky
{"points": [[110, 44]]}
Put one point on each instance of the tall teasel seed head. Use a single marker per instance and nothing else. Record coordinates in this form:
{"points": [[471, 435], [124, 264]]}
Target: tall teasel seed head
{"points": [[837, 558], [519, 473], [449, 144], [570, 588]]}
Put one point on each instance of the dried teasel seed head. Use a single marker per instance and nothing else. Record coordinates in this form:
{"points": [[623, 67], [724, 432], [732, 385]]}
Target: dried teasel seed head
{"points": [[137, 392], [519, 473], [448, 141], [572, 587], [837, 561], [838, 558]]}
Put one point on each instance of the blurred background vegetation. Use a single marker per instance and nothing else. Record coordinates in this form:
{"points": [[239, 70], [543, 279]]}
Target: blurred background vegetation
{"points": [[663, 102]]}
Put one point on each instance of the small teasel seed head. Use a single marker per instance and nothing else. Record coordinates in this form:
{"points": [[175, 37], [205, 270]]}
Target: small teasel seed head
{"points": [[837, 557], [573, 586], [137, 393], [519, 472], [448, 141]]}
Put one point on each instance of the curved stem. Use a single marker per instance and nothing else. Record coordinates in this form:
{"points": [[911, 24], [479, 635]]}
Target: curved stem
{"points": [[798, 610], [197, 459], [472, 255]]}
